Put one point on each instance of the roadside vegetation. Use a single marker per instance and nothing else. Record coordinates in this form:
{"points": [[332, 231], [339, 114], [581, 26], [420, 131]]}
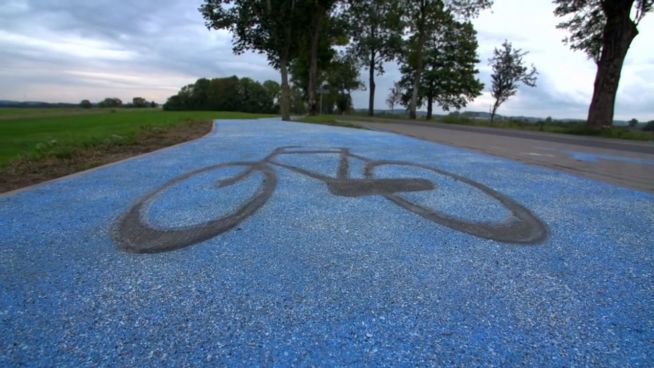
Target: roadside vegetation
{"points": [[45, 144], [640, 132]]}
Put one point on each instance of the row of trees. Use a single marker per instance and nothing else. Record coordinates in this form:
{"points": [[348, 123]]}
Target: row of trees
{"points": [[433, 40], [137, 102], [298, 39], [227, 94]]}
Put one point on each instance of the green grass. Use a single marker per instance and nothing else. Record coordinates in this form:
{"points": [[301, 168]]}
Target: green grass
{"points": [[11, 113], [553, 127], [332, 120], [36, 134]]}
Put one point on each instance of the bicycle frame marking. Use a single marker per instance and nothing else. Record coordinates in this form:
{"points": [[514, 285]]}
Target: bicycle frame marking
{"points": [[133, 233]]}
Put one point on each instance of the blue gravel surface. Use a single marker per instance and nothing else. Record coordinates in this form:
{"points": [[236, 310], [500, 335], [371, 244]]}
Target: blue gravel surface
{"points": [[314, 279]]}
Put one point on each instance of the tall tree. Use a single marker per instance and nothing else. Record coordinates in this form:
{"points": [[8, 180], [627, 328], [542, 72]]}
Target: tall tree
{"points": [[376, 31], [508, 72], [604, 29], [449, 76], [265, 26], [423, 18], [318, 15]]}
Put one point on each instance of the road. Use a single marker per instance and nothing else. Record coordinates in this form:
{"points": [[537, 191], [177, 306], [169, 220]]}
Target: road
{"points": [[621, 162], [284, 244]]}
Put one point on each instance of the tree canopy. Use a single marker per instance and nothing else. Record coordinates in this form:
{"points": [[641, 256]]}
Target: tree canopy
{"points": [[423, 18], [226, 94], [449, 76]]}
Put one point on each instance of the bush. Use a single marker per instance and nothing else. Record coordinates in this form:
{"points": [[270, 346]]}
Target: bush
{"points": [[649, 127]]}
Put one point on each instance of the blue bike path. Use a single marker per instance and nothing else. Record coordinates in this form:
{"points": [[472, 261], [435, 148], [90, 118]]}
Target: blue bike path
{"points": [[312, 278]]}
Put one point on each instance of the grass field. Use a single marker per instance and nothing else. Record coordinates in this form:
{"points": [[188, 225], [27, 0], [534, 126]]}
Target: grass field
{"points": [[37, 133]]}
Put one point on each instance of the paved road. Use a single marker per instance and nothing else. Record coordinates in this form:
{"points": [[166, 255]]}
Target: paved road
{"points": [[236, 249], [626, 163]]}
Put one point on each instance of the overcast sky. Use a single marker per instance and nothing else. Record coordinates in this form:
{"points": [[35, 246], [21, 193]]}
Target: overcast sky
{"points": [[69, 50]]}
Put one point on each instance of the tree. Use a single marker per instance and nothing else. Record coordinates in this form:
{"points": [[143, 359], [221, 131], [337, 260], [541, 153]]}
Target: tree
{"points": [[394, 96], [449, 75], [376, 31], [139, 102], [267, 27], [272, 89], [508, 71], [225, 94], [633, 123], [301, 67], [604, 29], [110, 102], [319, 22], [342, 76], [423, 18], [85, 104]]}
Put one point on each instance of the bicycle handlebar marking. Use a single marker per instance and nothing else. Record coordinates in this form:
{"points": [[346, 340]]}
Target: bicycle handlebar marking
{"points": [[133, 233]]}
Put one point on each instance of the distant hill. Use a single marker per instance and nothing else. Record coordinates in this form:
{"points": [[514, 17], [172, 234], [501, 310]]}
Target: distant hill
{"points": [[34, 104]]}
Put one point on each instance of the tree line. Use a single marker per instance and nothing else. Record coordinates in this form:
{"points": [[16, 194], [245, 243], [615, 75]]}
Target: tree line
{"points": [[318, 46], [137, 102], [227, 94]]}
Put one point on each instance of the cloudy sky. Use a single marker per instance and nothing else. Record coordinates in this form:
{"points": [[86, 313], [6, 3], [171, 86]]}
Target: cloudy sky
{"points": [[68, 50]]}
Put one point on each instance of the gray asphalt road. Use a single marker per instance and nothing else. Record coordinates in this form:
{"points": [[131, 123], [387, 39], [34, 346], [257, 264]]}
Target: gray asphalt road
{"points": [[621, 162]]}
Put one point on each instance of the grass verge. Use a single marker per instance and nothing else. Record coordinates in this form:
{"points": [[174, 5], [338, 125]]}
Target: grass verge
{"points": [[614, 132], [332, 120], [35, 149]]}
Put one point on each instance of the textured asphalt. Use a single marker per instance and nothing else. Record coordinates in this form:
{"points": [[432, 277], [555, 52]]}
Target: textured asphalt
{"points": [[625, 163], [313, 279]]}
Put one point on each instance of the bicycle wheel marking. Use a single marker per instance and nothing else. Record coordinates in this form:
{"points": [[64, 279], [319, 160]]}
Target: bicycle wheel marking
{"points": [[522, 228], [133, 232]]}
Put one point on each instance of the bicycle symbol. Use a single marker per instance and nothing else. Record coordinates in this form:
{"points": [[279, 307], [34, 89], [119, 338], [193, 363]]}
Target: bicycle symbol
{"points": [[134, 233]]}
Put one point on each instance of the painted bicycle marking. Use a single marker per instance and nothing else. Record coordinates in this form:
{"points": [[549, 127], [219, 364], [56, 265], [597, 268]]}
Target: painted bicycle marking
{"points": [[134, 233]]}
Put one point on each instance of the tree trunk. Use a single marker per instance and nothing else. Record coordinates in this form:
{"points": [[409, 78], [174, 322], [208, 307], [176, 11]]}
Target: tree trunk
{"points": [[430, 102], [619, 31], [493, 111], [371, 98], [285, 98], [416, 79], [313, 67]]}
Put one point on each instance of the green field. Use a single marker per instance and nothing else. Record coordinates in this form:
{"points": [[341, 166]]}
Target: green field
{"points": [[35, 133]]}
